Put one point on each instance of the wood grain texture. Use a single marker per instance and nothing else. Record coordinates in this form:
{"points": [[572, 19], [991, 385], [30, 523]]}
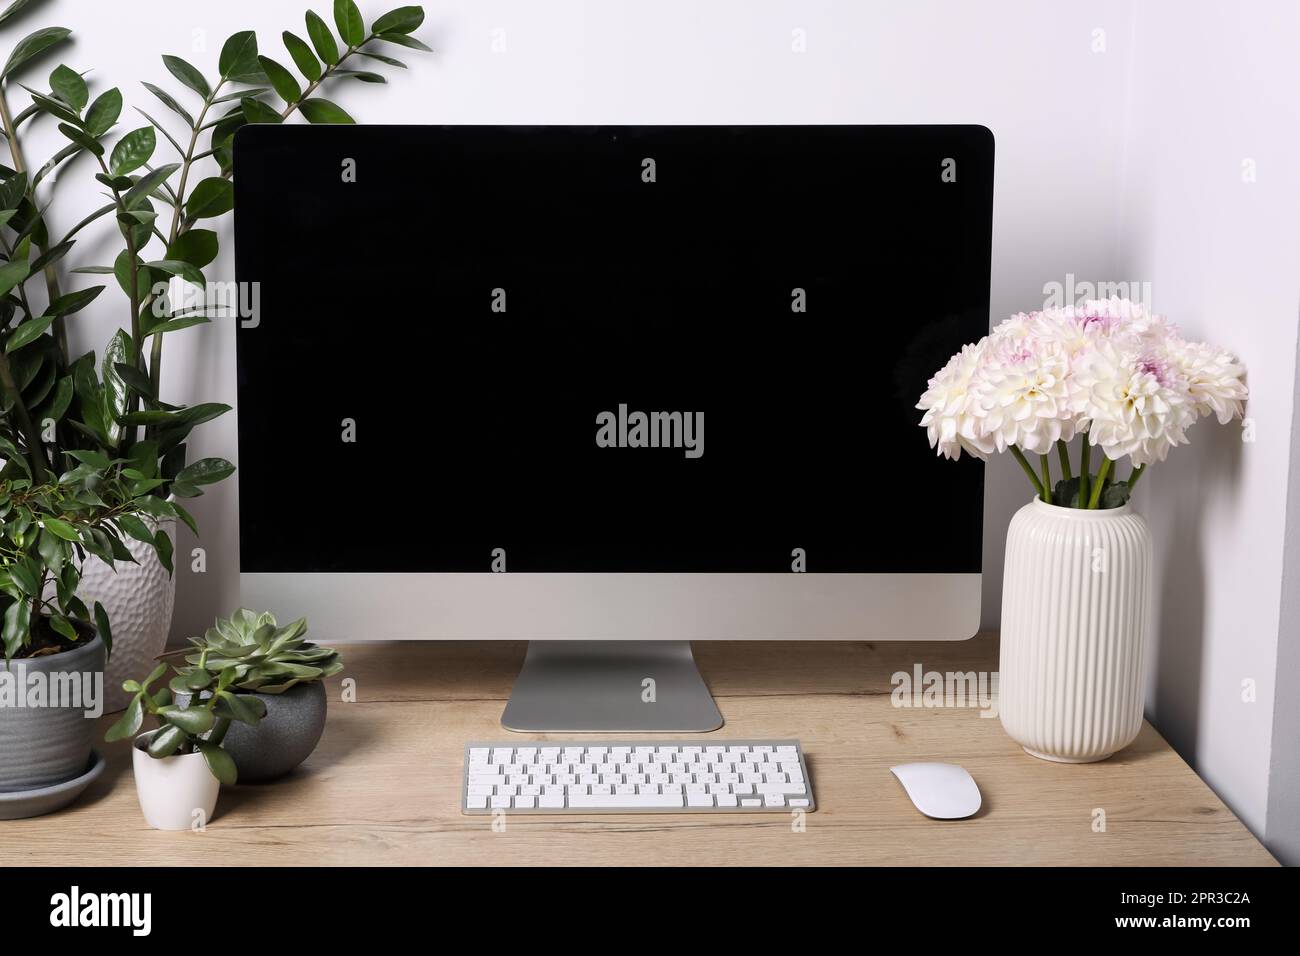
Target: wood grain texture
{"points": [[383, 787]]}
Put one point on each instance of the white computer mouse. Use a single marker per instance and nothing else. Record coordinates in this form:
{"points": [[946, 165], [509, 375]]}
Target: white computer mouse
{"points": [[944, 791]]}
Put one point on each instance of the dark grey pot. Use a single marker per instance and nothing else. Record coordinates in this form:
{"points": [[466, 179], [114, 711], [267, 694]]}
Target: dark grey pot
{"points": [[44, 746], [284, 738]]}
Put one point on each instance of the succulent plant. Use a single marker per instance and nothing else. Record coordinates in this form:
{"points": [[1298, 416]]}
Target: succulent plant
{"points": [[259, 655]]}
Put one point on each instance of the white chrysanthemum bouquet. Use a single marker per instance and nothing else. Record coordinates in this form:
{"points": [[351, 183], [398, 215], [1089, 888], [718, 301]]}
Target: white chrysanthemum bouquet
{"points": [[1123, 380]]}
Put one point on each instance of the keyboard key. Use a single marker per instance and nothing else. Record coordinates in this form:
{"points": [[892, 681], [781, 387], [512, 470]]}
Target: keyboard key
{"points": [[621, 801]]}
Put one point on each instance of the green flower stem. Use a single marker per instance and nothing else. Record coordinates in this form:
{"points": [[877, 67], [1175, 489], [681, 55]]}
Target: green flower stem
{"points": [[1101, 480], [1133, 478], [1047, 479], [1085, 479], [1063, 452], [1020, 457]]}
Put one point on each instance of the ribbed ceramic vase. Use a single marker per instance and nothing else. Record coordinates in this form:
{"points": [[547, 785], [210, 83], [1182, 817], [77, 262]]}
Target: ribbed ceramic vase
{"points": [[1076, 611], [139, 599]]}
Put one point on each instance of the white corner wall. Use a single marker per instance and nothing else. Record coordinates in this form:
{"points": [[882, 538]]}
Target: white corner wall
{"points": [[1210, 216]]}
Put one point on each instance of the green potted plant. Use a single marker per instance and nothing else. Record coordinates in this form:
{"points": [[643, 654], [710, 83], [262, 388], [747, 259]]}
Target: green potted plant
{"points": [[90, 443], [180, 766], [257, 658]]}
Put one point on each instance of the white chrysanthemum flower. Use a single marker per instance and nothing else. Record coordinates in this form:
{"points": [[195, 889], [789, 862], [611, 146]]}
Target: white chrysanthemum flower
{"points": [[1214, 379], [1025, 395], [1135, 402], [948, 402]]}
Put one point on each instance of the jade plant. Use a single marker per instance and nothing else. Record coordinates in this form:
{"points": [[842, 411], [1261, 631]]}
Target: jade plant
{"points": [[90, 448], [197, 724], [251, 652]]}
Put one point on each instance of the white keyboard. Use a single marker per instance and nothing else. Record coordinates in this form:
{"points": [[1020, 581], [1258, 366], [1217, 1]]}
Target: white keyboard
{"points": [[668, 776]]}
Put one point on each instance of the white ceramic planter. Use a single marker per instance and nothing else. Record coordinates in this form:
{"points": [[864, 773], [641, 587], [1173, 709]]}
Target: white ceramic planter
{"points": [[1076, 610], [172, 789], [139, 599]]}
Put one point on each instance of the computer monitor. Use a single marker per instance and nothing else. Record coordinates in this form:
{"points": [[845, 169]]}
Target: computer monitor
{"points": [[609, 389]]}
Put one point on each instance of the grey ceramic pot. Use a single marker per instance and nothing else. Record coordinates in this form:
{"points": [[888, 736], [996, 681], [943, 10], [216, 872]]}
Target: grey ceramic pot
{"points": [[284, 738], [45, 745]]}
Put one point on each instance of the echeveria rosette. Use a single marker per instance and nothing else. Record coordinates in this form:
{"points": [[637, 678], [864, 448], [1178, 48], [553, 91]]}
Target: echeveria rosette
{"points": [[1109, 370]]}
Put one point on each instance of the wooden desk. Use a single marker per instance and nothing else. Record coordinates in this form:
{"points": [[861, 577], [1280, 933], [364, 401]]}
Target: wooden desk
{"points": [[384, 786]]}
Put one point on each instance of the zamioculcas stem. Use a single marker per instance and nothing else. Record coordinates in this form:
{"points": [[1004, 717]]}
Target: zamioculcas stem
{"points": [[1084, 478], [1047, 480], [1020, 457], [1063, 452], [1101, 480]]}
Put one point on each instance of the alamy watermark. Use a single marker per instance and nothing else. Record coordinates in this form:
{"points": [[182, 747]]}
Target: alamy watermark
{"points": [[1058, 295], [922, 688], [73, 690]]}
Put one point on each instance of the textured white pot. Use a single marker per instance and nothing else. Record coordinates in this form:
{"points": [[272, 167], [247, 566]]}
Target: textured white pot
{"points": [[1076, 610], [172, 789], [139, 599]]}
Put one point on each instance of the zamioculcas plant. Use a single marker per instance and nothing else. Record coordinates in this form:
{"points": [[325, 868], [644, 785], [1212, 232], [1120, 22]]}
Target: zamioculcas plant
{"points": [[92, 451]]}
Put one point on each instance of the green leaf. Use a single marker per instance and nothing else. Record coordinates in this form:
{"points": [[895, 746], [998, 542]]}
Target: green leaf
{"points": [[64, 627], [401, 20], [14, 8], [179, 267], [155, 507], [322, 39], [62, 399], [1114, 494], [33, 45], [101, 625], [162, 544], [1066, 493], [187, 74], [403, 40], [122, 270], [136, 379], [69, 86], [166, 741], [132, 151], [302, 56], [365, 76], [61, 528], [103, 113], [95, 459], [135, 528], [382, 59], [281, 79], [71, 302], [238, 54], [212, 197], [28, 332], [116, 395], [219, 762], [323, 111], [175, 325], [82, 138], [198, 247], [128, 725], [348, 19], [205, 471], [245, 709], [192, 720], [255, 111], [11, 274], [169, 101], [147, 183]]}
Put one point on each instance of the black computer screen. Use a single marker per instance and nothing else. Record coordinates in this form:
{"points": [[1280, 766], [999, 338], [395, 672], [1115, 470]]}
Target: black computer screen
{"points": [[664, 349]]}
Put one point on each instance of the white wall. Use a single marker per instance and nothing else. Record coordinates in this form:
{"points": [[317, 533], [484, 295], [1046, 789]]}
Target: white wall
{"points": [[1119, 163], [1216, 89]]}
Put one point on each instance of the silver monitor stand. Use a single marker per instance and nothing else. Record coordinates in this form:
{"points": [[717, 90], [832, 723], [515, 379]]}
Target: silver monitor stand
{"points": [[610, 687]]}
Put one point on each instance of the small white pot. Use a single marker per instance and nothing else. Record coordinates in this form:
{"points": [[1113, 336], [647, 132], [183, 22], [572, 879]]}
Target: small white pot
{"points": [[176, 793], [1076, 612]]}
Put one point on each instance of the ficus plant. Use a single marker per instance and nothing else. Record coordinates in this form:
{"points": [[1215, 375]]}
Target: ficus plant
{"points": [[198, 725], [92, 450]]}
